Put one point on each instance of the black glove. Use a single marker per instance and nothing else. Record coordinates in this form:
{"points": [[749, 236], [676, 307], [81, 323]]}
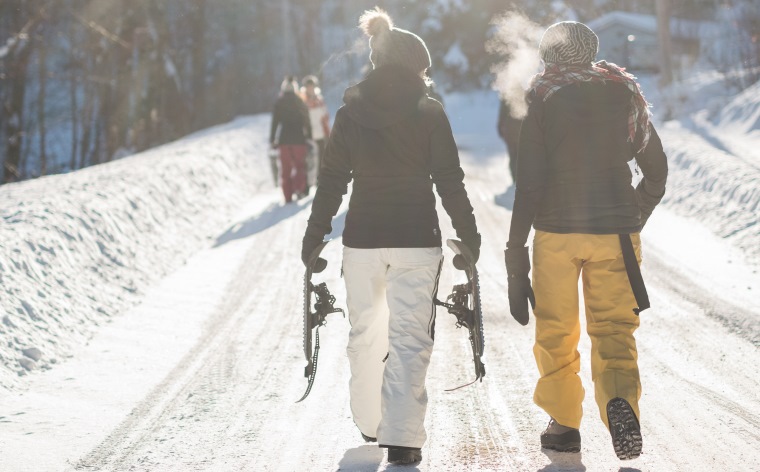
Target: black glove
{"points": [[309, 244], [473, 244], [518, 282]]}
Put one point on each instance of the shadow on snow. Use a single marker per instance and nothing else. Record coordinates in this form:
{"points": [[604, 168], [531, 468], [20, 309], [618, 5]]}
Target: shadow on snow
{"points": [[274, 214], [364, 458], [268, 218], [563, 461]]}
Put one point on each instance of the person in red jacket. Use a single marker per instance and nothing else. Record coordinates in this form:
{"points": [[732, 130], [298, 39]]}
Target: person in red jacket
{"points": [[291, 118], [395, 143], [586, 120]]}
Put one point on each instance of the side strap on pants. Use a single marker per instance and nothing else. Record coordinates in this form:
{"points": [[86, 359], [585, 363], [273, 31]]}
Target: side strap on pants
{"points": [[634, 274]]}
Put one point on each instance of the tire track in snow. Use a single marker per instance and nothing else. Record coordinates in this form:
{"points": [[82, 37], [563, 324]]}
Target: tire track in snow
{"points": [[211, 354], [738, 319]]}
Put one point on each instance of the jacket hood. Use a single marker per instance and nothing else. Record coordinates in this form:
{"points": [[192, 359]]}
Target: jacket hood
{"points": [[388, 95]]}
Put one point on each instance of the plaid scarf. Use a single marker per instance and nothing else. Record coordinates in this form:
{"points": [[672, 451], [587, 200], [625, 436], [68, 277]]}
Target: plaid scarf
{"points": [[556, 76]]}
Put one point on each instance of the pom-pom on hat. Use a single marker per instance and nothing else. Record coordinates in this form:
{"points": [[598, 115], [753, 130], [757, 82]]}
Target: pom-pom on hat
{"points": [[568, 42], [391, 45]]}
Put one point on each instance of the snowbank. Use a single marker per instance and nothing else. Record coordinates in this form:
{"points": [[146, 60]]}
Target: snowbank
{"points": [[742, 114], [713, 149], [77, 249], [714, 186]]}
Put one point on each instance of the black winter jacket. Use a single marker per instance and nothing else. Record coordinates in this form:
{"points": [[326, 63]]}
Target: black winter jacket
{"points": [[572, 171], [292, 116], [394, 143]]}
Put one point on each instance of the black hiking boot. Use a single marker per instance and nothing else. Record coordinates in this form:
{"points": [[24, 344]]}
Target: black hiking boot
{"points": [[561, 438], [404, 455], [368, 438], [624, 429]]}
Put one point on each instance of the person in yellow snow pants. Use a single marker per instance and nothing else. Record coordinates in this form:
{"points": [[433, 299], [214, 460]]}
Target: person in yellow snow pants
{"points": [[559, 260], [586, 122]]}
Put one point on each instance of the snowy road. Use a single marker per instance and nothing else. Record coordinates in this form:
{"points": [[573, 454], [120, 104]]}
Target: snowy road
{"points": [[203, 375]]}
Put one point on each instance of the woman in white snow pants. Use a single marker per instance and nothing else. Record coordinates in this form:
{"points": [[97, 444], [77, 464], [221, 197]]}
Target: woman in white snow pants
{"points": [[390, 303], [395, 144]]}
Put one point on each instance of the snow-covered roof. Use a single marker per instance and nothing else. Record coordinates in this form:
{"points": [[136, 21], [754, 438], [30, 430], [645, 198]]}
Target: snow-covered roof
{"points": [[679, 28]]}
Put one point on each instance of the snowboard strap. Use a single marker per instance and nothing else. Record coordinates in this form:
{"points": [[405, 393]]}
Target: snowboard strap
{"points": [[634, 274]]}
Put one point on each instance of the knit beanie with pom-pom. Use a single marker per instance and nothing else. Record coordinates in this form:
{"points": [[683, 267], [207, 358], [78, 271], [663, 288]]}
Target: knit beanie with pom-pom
{"points": [[391, 45]]}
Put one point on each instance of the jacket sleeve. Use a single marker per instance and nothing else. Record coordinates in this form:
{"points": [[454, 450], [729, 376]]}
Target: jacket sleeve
{"points": [[275, 122], [448, 177], [325, 120], [334, 176], [654, 167], [305, 120], [531, 176]]}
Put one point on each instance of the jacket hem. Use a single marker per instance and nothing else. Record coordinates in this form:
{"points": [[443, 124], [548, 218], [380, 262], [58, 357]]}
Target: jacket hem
{"points": [[587, 229]]}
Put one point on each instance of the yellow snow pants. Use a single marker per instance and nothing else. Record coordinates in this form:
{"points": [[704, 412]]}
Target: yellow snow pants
{"points": [[558, 261]]}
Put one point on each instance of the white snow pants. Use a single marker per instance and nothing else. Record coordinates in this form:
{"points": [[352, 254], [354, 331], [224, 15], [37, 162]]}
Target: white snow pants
{"points": [[390, 305]]}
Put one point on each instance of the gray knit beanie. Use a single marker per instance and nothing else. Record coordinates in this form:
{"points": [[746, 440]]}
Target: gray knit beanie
{"points": [[568, 42], [390, 45]]}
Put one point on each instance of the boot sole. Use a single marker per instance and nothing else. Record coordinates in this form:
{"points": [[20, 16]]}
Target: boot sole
{"points": [[567, 442], [567, 448], [568, 445], [624, 429], [404, 455], [406, 460]]}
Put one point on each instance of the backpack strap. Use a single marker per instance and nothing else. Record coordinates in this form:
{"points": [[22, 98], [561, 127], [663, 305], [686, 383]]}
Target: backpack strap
{"points": [[634, 274]]}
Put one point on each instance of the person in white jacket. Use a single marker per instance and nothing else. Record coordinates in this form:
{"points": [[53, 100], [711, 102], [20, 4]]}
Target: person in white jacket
{"points": [[319, 117]]}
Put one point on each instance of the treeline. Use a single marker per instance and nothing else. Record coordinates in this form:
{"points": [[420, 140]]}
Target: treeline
{"points": [[83, 82]]}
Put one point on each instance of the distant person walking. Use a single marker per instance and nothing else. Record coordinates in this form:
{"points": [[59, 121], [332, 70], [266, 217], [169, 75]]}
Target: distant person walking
{"points": [[291, 118], [586, 120], [508, 128], [320, 125], [395, 143]]}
